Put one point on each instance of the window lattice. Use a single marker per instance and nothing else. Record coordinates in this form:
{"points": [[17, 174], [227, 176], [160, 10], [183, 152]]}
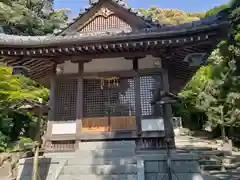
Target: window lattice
{"points": [[66, 99], [148, 86], [95, 99], [117, 101], [122, 99], [101, 23]]}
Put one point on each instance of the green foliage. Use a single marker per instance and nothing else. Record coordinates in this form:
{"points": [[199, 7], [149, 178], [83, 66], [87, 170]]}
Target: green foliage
{"points": [[24, 143], [170, 16], [15, 120], [30, 17], [214, 89], [216, 10]]}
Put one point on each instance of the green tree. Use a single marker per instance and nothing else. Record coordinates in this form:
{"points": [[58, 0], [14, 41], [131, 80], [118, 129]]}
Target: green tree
{"points": [[170, 16], [14, 120], [219, 98], [217, 93], [30, 17]]}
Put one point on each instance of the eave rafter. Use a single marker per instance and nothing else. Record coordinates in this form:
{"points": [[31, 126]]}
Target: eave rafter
{"points": [[92, 48]]}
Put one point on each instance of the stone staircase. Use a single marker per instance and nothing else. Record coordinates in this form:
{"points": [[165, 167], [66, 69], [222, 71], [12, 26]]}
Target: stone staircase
{"points": [[104, 160], [213, 161], [116, 160]]}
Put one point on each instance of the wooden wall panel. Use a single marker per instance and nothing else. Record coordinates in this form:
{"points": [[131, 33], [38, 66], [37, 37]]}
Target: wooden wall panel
{"points": [[101, 23], [123, 123], [104, 19], [117, 123], [97, 124]]}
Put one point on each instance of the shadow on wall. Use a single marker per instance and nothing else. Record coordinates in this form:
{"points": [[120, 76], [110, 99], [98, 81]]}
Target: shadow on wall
{"points": [[114, 160], [26, 169]]}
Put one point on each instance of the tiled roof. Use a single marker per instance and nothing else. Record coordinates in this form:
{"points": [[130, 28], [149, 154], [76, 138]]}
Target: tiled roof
{"points": [[213, 21]]}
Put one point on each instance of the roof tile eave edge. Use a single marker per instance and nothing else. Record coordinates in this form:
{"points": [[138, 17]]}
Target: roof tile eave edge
{"points": [[42, 42]]}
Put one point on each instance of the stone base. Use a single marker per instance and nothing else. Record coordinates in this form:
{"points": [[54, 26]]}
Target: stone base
{"points": [[152, 165], [48, 168]]}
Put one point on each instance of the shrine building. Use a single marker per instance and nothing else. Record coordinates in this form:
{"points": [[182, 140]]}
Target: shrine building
{"points": [[104, 68]]}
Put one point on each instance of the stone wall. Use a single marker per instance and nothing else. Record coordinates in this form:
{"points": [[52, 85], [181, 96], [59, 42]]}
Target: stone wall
{"points": [[153, 166]]}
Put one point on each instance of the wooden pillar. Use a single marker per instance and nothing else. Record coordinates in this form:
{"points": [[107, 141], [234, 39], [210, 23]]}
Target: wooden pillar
{"points": [[51, 113], [79, 110], [168, 122], [137, 96]]}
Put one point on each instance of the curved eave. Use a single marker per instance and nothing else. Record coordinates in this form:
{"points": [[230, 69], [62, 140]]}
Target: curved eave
{"points": [[108, 37], [56, 45]]}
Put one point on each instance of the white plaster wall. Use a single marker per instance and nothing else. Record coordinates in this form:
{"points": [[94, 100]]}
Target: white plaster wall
{"points": [[64, 128], [70, 68], [148, 62], [152, 124], [109, 64]]}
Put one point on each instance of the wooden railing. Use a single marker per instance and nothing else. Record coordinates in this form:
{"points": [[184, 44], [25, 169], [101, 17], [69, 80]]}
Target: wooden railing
{"points": [[116, 123]]}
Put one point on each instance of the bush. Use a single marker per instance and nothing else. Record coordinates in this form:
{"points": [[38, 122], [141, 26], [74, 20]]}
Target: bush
{"points": [[3, 142], [22, 143]]}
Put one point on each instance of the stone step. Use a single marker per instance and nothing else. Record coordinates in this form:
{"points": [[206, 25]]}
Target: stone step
{"points": [[212, 153], [105, 153], [106, 145], [60, 155], [102, 160], [211, 167], [231, 165], [228, 159], [210, 162], [99, 177], [78, 170], [196, 149]]}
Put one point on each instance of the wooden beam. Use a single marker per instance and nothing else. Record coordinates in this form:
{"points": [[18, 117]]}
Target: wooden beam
{"points": [[137, 96], [51, 114], [80, 97], [84, 57]]}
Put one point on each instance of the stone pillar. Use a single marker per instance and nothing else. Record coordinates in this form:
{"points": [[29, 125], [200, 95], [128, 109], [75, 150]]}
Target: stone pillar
{"points": [[79, 111]]}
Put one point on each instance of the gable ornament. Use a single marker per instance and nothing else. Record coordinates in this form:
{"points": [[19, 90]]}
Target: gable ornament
{"points": [[104, 12]]}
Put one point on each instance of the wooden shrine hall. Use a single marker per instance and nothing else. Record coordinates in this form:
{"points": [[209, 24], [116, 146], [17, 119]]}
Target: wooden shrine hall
{"points": [[104, 68]]}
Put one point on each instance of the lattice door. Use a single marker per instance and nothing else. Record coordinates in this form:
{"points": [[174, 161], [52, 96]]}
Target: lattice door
{"points": [[66, 99], [109, 108]]}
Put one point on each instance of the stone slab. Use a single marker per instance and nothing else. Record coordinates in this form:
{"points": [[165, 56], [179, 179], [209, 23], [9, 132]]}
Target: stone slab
{"points": [[78, 170], [99, 177], [102, 160], [106, 145]]}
